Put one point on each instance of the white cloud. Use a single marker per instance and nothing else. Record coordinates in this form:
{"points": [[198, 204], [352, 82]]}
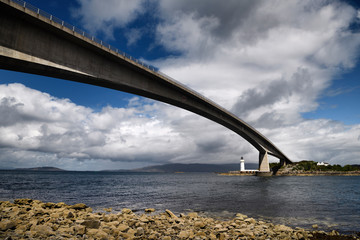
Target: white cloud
{"points": [[269, 67], [266, 61], [104, 16]]}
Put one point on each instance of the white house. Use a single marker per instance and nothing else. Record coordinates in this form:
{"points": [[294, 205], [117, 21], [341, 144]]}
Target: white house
{"points": [[322, 164]]}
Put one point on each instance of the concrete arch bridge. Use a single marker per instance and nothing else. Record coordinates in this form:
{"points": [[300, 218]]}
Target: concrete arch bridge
{"points": [[33, 41]]}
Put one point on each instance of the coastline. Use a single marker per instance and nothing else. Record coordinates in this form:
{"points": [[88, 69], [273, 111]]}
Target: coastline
{"points": [[35, 219], [297, 173]]}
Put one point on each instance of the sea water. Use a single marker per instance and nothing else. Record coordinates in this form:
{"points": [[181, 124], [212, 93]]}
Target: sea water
{"points": [[331, 202]]}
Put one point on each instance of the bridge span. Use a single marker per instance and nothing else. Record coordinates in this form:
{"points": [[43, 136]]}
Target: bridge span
{"points": [[33, 41]]}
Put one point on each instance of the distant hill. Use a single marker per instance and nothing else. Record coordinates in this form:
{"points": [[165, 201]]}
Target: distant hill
{"points": [[194, 167], [41, 169]]}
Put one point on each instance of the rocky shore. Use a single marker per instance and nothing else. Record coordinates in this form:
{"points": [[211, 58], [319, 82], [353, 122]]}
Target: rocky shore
{"points": [[33, 219]]}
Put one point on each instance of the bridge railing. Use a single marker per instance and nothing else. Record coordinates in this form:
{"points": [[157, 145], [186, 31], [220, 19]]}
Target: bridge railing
{"points": [[108, 46], [81, 32]]}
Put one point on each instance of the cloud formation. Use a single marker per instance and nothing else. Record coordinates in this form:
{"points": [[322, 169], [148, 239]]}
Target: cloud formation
{"points": [[103, 17], [268, 62]]}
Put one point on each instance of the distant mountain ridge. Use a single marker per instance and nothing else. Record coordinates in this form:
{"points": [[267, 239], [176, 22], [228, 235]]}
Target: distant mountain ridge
{"points": [[165, 168], [194, 167], [41, 169]]}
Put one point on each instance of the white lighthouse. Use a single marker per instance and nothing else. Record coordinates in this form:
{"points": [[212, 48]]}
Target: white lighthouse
{"points": [[242, 164]]}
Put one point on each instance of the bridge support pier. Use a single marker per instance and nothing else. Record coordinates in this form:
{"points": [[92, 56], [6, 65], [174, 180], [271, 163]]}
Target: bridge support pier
{"points": [[283, 162], [264, 162]]}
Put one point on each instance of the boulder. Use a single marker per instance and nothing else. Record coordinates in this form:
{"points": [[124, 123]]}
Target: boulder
{"points": [[123, 227], [79, 206], [250, 220], [240, 216], [24, 201], [282, 228], [193, 214], [97, 234], [7, 224], [149, 210], [184, 234], [79, 229], [107, 209], [200, 224], [42, 230], [140, 231], [92, 224], [170, 213], [70, 215], [126, 211], [60, 205], [48, 205]]}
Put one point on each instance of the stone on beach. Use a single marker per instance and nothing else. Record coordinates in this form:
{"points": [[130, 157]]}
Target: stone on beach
{"points": [[32, 219], [170, 213], [126, 211], [150, 210], [78, 206]]}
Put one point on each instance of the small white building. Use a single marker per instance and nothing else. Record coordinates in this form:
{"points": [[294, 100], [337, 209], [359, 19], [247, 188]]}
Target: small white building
{"points": [[242, 165], [322, 164]]}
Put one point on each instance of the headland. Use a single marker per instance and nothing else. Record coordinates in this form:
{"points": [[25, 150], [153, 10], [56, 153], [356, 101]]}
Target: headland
{"points": [[304, 168]]}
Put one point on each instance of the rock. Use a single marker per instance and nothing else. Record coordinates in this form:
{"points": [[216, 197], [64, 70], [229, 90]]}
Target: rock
{"points": [[153, 236], [79, 206], [212, 236], [144, 219], [218, 226], [315, 226], [79, 229], [7, 224], [282, 228], [193, 214], [42, 230], [93, 224], [107, 209], [32, 219], [70, 215], [170, 214], [200, 224], [24, 201], [183, 234], [241, 216], [123, 227], [140, 231], [250, 220], [97, 234], [64, 231], [48, 205], [126, 211], [150, 210], [60, 205]]}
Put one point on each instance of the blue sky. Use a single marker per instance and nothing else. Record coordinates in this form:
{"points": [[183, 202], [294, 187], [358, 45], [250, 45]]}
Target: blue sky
{"points": [[290, 69]]}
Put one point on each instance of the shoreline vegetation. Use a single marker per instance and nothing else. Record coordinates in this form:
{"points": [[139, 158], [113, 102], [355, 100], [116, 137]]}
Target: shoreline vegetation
{"points": [[33, 219], [304, 168]]}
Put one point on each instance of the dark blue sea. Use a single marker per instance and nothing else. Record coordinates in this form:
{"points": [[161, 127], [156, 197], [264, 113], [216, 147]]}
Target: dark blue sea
{"points": [[332, 202]]}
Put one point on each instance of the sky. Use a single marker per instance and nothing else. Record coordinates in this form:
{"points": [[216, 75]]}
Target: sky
{"points": [[288, 68]]}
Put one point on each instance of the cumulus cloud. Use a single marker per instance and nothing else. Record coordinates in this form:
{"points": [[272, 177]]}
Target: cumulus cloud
{"points": [[104, 16], [39, 123], [268, 62]]}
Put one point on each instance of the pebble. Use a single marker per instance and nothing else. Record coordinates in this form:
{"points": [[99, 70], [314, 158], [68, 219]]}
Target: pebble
{"points": [[33, 219]]}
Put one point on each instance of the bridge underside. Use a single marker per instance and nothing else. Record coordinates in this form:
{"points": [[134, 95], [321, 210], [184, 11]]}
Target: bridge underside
{"points": [[34, 44]]}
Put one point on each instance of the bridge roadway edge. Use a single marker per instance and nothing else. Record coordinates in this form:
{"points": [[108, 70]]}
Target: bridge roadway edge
{"points": [[92, 63]]}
